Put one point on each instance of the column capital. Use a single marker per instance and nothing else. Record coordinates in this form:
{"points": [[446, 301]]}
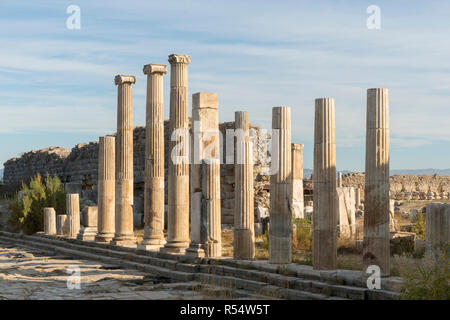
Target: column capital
{"points": [[155, 68], [179, 58], [121, 79]]}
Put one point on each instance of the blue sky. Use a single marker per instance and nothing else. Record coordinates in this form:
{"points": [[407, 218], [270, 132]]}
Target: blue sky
{"points": [[57, 85]]}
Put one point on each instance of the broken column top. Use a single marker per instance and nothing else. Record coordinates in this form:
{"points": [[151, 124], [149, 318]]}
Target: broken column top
{"points": [[179, 58], [155, 68], [121, 79], [205, 100], [297, 146], [281, 117]]}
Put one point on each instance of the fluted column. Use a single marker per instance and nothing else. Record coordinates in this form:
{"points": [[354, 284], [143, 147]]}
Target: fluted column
{"points": [[297, 200], [154, 159], [324, 184], [376, 191], [124, 234], [73, 214], [244, 216], [280, 232], [211, 207], [61, 225], [49, 221], [205, 147], [106, 189], [437, 227], [178, 215]]}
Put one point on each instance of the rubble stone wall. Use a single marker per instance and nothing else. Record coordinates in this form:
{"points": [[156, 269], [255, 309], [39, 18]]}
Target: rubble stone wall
{"points": [[407, 186], [80, 166]]}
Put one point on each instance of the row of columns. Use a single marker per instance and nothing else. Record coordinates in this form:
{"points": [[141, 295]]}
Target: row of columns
{"points": [[204, 199], [376, 217]]}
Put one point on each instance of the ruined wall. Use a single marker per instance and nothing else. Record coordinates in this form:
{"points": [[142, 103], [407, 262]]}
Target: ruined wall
{"points": [[408, 187], [80, 166]]}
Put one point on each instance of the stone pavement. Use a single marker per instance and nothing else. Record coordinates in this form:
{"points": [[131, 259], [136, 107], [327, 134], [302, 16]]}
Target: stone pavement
{"points": [[29, 273]]}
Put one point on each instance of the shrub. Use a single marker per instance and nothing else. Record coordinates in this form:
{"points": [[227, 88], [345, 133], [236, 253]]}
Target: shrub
{"points": [[419, 225], [429, 280], [28, 212]]}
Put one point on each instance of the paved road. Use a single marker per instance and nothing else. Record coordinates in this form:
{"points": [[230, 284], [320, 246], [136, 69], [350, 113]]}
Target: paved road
{"points": [[28, 273]]}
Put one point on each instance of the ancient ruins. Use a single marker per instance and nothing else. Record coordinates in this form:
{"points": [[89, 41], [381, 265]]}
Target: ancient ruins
{"points": [[192, 177]]}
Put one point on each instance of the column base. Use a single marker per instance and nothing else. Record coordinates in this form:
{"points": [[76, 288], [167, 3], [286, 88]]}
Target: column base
{"points": [[87, 233], [195, 250], [151, 244], [104, 237], [124, 240], [175, 248]]}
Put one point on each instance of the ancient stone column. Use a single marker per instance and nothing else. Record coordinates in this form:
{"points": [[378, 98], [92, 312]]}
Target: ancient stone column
{"points": [[211, 207], [205, 224], [49, 221], [90, 221], [437, 227], [280, 232], [73, 214], [106, 189], [154, 159], [61, 224], [244, 216], [297, 201], [376, 190], [324, 184], [178, 211], [124, 234], [358, 198], [339, 180]]}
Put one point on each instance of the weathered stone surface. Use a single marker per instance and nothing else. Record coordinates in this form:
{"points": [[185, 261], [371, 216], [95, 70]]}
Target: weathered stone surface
{"points": [[106, 189], [124, 234], [73, 214], [61, 225], [205, 177], [324, 179], [90, 221], [49, 221], [346, 212], [244, 232], [437, 226], [280, 232], [178, 215], [376, 190], [297, 199], [153, 238]]}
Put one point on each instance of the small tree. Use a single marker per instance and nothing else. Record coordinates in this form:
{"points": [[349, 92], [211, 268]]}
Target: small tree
{"points": [[28, 212], [419, 225]]}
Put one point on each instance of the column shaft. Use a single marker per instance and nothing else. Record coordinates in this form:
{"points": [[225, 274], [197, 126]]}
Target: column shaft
{"points": [[280, 232], [61, 225], [73, 214], [244, 216], [178, 215], [106, 189], [124, 234], [206, 144], [376, 192], [297, 199], [154, 159], [49, 221], [324, 184]]}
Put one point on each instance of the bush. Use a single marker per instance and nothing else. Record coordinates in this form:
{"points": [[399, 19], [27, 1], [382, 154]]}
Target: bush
{"points": [[419, 225], [28, 212], [430, 280]]}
